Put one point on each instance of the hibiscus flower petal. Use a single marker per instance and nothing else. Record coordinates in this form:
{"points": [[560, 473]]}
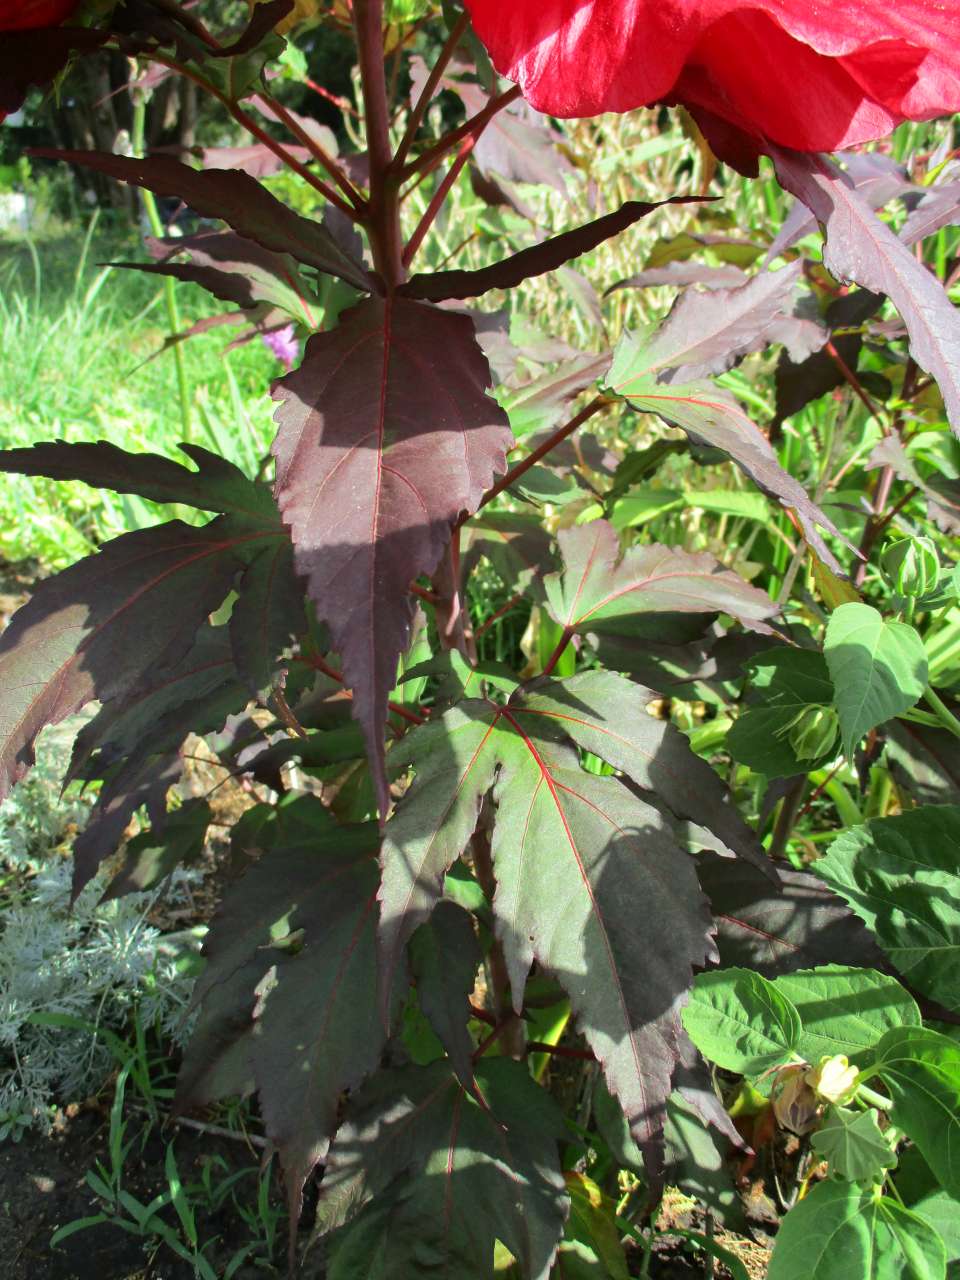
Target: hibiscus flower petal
{"points": [[808, 76]]}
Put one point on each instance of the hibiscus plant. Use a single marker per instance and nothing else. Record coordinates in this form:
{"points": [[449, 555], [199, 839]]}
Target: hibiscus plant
{"points": [[469, 871]]}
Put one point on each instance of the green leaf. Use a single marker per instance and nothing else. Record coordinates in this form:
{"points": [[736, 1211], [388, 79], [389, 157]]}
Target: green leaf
{"points": [[901, 875], [426, 1181], [853, 1144], [921, 1192], [840, 1231], [580, 862], [592, 1223], [878, 669], [740, 1021], [921, 1069], [783, 683], [845, 1010]]}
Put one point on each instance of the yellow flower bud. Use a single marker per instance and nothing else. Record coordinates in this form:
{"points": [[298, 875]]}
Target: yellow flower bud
{"points": [[834, 1079]]}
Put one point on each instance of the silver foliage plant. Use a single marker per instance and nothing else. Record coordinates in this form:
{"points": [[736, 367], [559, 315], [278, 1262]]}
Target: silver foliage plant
{"points": [[94, 962]]}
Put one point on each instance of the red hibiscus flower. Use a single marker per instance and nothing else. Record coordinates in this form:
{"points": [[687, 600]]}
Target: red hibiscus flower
{"points": [[28, 15], [814, 75]]}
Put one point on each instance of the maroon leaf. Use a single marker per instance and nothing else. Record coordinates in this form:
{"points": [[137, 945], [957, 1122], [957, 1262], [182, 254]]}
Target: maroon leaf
{"points": [[97, 629], [710, 415], [604, 713], [217, 485], [421, 1175], [682, 273], [517, 545], [860, 247], [535, 261], [800, 383], [234, 270], [579, 860], [444, 957], [939, 208], [143, 781], [257, 159], [320, 134], [877, 178], [302, 1024], [777, 929], [600, 590], [709, 332], [542, 403], [924, 761], [238, 199], [385, 436], [268, 615], [152, 855]]}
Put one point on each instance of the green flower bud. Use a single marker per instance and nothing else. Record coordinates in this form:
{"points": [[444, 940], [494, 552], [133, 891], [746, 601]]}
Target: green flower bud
{"points": [[911, 566], [813, 732]]}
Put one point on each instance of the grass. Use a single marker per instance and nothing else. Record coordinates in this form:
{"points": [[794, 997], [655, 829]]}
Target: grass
{"points": [[77, 339]]}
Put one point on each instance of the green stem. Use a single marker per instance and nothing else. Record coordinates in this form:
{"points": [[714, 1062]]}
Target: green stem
{"points": [[169, 284], [944, 714], [873, 1098]]}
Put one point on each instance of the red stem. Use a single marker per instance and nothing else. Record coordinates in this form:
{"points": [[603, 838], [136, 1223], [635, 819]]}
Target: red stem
{"points": [[319, 664], [261, 135], [568, 634], [430, 88], [514, 474], [872, 408], [318, 152], [495, 617], [383, 213], [475, 125], [436, 203]]}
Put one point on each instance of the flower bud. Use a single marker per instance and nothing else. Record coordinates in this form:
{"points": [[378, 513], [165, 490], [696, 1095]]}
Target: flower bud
{"points": [[813, 732], [795, 1104], [834, 1080], [911, 566]]}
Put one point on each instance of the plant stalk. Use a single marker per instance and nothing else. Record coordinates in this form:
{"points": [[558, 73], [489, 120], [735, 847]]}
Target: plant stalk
{"points": [[383, 212], [169, 285], [514, 1031], [943, 712]]}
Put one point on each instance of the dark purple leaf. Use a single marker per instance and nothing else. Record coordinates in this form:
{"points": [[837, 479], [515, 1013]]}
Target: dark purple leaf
{"points": [[151, 856], [320, 134], [268, 615], [257, 160], [800, 383], [924, 761], [264, 16], [385, 436], [709, 332], [543, 403], [444, 958], [940, 207], [235, 270], [292, 987], [103, 625], [607, 714], [860, 247], [682, 273], [238, 199], [535, 261], [517, 545], [216, 485], [519, 144], [567, 847], [709, 415], [600, 589], [775, 930], [420, 1174], [142, 781], [877, 178]]}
